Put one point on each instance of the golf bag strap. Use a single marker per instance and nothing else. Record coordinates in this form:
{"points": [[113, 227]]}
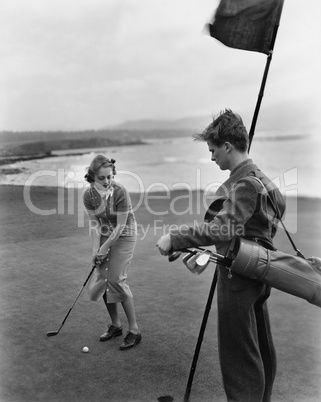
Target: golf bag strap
{"points": [[298, 252]]}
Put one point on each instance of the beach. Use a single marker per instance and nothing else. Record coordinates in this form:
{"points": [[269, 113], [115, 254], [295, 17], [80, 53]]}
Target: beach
{"points": [[45, 249], [170, 163]]}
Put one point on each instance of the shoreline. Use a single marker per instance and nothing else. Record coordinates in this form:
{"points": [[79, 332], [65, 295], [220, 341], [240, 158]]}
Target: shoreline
{"points": [[165, 161], [7, 158], [161, 193]]}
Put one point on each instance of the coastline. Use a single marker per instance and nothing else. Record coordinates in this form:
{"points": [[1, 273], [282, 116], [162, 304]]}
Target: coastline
{"points": [[154, 193], [12, 156], [139, 167], [22, 146], [54, 189]]}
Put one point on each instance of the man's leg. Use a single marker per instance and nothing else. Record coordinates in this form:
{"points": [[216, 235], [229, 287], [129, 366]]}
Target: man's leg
{"points": [[239, 349], [266, 343]]}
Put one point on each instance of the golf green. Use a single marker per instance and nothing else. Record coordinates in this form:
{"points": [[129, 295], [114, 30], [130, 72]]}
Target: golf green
{"points": [[46, 251]]}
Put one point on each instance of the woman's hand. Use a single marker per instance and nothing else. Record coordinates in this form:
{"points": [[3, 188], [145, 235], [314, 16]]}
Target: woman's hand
{"points": [[99, 257], [102, 254], [103, 251], [164, 244]]}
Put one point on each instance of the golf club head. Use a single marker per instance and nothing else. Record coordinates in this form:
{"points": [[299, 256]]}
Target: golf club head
{"points": [[172, 257], [197, 263], [203, 259], [186, 258], [52, 333]]}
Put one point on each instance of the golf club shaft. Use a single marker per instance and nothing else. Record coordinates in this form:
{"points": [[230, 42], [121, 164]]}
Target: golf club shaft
{"points": [[52, 333]]}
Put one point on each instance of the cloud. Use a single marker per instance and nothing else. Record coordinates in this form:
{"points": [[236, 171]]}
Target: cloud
{"points": [[91, 63]]}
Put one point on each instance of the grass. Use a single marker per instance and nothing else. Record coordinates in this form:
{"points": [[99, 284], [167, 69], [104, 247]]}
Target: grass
{"points": [[46, 260]]}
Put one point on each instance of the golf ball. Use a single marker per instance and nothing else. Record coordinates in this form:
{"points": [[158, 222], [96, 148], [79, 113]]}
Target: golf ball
{"points": [[85, 349]]}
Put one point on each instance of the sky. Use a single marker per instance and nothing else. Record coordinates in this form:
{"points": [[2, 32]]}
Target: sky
{"points": [[90, 64]]}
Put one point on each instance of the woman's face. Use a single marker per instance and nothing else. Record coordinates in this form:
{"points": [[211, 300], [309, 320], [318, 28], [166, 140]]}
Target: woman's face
{"points": [[104, 177]]}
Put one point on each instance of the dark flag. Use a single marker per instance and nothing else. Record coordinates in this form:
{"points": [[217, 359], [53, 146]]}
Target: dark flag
{"points": [[247, 24]]}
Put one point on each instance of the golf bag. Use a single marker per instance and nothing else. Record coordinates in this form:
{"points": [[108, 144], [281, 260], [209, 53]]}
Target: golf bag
{"points": [[291, 274]]}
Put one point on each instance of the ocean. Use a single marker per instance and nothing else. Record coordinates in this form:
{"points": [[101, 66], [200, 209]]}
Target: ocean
{"points": [[293, 162]]}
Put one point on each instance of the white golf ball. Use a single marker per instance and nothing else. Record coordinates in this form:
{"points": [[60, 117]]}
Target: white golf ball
{"points": [[85, 349]]}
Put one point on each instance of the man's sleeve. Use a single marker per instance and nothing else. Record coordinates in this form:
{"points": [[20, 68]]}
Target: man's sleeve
{"points": [[228, 223]]}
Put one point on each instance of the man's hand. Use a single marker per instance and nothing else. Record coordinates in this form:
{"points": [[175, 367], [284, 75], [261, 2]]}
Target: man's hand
{"points": [[164, 244]]}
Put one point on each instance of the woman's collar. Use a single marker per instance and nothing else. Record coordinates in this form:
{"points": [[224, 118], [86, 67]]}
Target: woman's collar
{"points": [[104, 192]]}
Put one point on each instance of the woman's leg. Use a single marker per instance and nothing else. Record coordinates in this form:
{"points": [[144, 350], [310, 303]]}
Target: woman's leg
{"points": [[120, 257], [112, 311], [129, 309]]}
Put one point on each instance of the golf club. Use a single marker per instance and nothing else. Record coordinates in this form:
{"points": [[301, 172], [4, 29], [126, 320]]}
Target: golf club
{"points": [[176, 254], [203, 258], [53, 333]]}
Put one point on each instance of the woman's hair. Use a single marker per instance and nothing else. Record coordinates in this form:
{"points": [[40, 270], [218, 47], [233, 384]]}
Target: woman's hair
{"points": [[226, 127], [98, 162]]}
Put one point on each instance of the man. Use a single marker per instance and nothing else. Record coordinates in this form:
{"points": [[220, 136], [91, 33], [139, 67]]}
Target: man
{"points": [[247, 354]]}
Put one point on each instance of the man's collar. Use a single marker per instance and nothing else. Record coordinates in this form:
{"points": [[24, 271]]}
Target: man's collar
{"points": [[243, 169]]}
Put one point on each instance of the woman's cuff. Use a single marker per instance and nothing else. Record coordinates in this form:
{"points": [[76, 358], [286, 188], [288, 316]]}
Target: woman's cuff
{"points": [[101, 252]]}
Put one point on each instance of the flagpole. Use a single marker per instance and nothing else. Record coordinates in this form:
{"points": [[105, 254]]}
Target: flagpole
{"points": [[265, 74]]}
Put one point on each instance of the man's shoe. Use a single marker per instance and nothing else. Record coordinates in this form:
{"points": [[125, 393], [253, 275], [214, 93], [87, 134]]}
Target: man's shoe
{"points": [[130, 341], [111, 333]]}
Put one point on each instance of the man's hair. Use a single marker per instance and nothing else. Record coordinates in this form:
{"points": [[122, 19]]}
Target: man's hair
{"points": [[226, 127]]}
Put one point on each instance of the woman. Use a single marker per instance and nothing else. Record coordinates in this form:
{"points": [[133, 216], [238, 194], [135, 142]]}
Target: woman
{"points": [[113, 232]]}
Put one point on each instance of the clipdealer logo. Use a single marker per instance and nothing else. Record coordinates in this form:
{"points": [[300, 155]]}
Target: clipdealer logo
{"points": [[71, 202]]}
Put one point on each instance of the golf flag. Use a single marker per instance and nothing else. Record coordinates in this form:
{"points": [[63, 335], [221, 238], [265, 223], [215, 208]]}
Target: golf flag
{"points": [[247, 24]]}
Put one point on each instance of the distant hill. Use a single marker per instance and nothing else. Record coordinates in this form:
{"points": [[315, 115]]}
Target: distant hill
{"points": [[188, 123], [274, 121], [15, 146], [283, 116]]}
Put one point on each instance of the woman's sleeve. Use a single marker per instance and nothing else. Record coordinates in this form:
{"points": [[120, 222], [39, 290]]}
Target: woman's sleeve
{"points": [[123, 201], [87, 201]]}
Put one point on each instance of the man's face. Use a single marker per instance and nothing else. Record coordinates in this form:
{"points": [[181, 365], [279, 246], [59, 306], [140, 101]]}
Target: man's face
{"points": [[219, 155]]}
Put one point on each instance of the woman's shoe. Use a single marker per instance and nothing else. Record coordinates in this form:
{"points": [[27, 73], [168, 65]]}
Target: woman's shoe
{"points": [[130, 340], [111, 333]]}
